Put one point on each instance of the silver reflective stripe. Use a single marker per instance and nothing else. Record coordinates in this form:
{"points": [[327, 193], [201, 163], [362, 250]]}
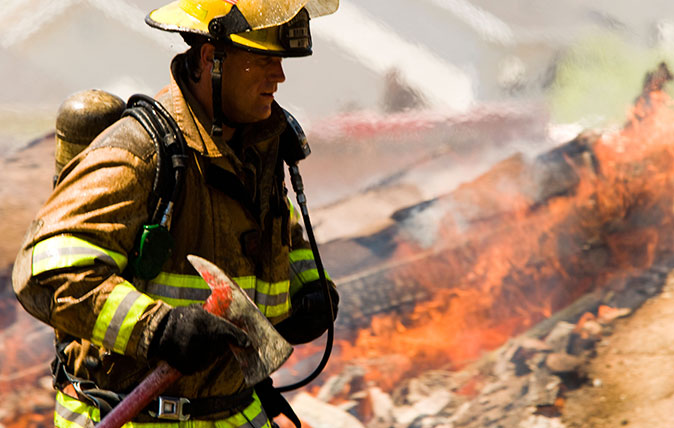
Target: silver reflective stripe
{"points": [[301, 266], [266, 299], [181, 289], [80, 251], [70, 416], [118, 320], [172, 292], [259, 421], [67, 251], [122, 309]]}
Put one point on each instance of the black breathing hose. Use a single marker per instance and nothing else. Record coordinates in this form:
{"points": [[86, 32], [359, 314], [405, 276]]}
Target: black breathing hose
{"points": [[298, 187]]}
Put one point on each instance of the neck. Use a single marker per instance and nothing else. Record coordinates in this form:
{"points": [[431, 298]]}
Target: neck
{"points": [[202, 92]]}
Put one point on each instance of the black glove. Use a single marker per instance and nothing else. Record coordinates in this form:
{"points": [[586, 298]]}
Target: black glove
{"points": [[310, 316], [190, 339]]}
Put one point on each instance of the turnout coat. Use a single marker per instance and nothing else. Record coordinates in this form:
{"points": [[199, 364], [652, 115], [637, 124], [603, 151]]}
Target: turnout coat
{"points": [[72, 269]]}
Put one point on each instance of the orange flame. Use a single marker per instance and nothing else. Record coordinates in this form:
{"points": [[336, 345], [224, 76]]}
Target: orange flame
{"points": [[497, 278]]}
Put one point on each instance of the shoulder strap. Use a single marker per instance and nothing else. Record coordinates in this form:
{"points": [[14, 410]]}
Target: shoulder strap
{"points": [[154, 241], [171, 153]]}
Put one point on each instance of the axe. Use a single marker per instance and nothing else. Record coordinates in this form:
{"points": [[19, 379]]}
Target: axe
{"points": [[266, 353]]}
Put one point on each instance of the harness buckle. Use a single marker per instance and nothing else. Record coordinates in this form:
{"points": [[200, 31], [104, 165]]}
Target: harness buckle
{"points": [[171, 408]]}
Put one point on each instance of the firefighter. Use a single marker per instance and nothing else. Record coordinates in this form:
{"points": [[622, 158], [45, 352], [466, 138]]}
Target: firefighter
{"points": [[112, 326]]}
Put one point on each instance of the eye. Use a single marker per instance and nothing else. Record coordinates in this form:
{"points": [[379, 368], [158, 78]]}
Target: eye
{"points": [[267, 61]]}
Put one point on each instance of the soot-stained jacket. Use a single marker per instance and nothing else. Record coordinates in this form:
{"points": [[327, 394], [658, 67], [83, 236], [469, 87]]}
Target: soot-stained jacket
{"points": [[71, 271]]}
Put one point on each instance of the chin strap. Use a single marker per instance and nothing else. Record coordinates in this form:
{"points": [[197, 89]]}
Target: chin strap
{"points": [[219, 119], [216, 83]]}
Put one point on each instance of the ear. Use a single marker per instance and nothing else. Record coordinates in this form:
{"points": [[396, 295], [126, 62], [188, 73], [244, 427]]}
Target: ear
{"points": [[206, 56]]}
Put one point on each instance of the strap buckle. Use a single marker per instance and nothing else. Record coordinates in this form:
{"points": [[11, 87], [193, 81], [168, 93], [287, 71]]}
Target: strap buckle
{"points": [[171, 408]]}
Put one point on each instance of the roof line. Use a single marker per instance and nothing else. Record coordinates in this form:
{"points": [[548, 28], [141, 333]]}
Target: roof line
{"points": [[19, 20], [488, 26], [382, 50]]}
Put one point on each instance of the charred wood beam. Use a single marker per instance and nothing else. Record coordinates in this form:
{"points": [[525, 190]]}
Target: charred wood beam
{"points": [[383, 285], [378, 291]]}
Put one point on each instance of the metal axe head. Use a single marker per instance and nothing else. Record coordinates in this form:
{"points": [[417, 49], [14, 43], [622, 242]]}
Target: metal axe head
{"points": [[268, 350]]}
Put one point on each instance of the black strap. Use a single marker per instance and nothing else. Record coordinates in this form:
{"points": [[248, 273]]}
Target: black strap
{"points": [[86, 390], [274, 403], [209, 405], [170, 145]]}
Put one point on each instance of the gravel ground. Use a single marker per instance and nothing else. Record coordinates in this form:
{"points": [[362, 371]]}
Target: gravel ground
{"points": [[632, 377]]}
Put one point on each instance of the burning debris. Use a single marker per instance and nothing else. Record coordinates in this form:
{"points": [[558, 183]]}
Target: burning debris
{"points": [[522, 384], [509, 252]]}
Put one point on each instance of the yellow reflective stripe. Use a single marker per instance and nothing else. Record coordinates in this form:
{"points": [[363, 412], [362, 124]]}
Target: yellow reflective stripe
{"points": [[121, 311], [178, 289], [301, 254], [302, 269], [294, 214], [252, 416], [182, 290], [272, 299], [71, 413], [247, 283], [302, 278], [69, 251]]}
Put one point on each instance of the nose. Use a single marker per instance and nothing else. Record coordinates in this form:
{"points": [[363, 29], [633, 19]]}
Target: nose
{"points": [[276, 73]]}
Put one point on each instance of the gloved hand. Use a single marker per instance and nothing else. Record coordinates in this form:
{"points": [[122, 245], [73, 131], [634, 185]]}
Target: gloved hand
{"points": [[190, 339], [310, 315]]}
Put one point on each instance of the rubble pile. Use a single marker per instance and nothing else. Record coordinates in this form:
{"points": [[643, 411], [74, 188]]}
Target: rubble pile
{"points": [[522, 384]]}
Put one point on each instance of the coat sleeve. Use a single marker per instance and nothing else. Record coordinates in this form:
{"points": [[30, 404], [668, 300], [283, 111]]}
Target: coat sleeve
{"points": [[303, 269], [68, 273]]}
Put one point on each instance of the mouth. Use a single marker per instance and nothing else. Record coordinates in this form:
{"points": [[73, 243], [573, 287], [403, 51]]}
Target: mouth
{"points": [[269, 93]]}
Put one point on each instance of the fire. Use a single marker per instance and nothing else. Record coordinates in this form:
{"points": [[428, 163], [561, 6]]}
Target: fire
{"points": [[492, 279]]}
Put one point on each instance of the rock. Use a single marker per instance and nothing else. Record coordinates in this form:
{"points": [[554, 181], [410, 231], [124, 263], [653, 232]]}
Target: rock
{"points": [[538, 421], [319, 414], [590, 329], [426, 395], [428, 406], [382, 404], [563, 363], [337, 384], [558, 339], [607, 314], [543, 388], [432, 422]]}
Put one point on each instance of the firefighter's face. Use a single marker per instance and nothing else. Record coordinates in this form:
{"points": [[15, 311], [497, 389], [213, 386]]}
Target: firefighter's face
{"points": [[248, 85]]}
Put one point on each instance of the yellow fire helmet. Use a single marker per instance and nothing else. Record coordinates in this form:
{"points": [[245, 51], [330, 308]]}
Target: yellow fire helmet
{"points": [[270, 27]]}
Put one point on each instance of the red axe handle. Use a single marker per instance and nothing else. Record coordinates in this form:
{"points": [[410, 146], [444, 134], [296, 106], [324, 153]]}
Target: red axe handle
{"points": [[149, 389], [163, 375]]}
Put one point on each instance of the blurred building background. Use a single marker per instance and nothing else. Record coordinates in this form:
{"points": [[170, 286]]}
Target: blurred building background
{"points": [[578, 62]]}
